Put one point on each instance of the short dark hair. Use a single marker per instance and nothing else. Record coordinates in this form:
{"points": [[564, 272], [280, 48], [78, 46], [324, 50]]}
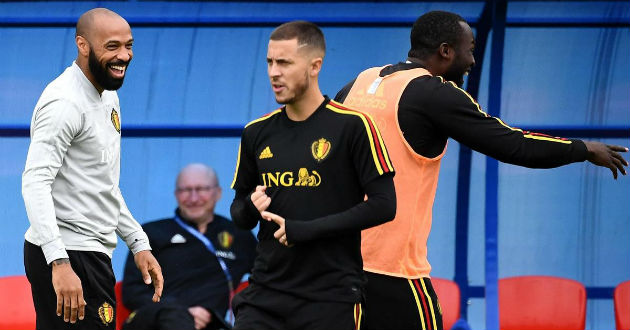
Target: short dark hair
{"points": [[432, 29], [306, 33]]}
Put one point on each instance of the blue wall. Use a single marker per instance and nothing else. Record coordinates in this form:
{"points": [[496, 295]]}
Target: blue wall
{"points": [[571, 221]]}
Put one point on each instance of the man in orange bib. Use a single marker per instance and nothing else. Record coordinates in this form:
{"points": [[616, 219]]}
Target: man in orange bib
{"points": [[418, 105]]}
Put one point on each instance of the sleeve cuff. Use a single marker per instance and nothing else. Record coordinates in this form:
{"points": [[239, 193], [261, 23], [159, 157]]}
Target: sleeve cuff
{"points": [[581, 151], [54, 250], [250, 208], [137, 242]]}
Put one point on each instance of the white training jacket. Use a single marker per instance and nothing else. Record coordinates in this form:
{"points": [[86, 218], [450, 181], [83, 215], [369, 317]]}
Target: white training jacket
{"points": [[70, 181]]}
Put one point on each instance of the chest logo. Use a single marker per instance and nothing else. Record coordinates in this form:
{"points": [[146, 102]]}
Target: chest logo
{"points": [[320, 149], [225, 239], [115, 120], [266, 153], [303, 178]]}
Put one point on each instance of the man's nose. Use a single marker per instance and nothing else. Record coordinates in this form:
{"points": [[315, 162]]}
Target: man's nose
{"points": [[124, 54]]}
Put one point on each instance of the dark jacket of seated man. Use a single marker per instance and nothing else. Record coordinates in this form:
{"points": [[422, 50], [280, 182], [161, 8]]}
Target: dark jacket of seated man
{"points": [[193, 275]]}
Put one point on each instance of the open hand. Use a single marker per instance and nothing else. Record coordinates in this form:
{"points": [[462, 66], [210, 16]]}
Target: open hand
{"points": [[69, 291], [607, 156], [280, 234], [151, 272]]}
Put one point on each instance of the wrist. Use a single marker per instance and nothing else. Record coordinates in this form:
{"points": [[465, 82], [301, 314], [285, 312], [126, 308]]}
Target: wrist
{"points": [[60, 262]]}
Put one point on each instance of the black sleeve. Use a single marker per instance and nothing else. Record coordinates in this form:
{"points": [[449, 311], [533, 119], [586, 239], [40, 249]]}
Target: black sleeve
{"points": [[243, 212], [341, 95], [380, 207], [456, 114]]}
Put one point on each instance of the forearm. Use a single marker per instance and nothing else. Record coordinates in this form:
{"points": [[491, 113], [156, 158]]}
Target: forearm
{"points": [[244, 213], [40, 209], [378, 208], [526, 149], [129, 229], [461, 118]]}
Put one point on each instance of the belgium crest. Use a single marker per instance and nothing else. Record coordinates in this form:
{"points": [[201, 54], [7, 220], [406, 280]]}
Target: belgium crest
{"points": [[320, 149], [106, 313], [115, 120], [225, 239]]}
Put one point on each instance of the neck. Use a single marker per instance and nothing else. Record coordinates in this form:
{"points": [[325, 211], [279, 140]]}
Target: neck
{"points": [[83, 65], [428, 63], [203, 226], [304, 107], [200, 224]]}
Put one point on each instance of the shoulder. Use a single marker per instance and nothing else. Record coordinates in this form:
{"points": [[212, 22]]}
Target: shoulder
{"points": [[158, 226], [350, 115], [226, 224], [65, 93], [263, 119], [436, 91]]}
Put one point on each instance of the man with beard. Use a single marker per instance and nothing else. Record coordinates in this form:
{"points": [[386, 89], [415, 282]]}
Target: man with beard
{"points": [[419, 104], [70, 185], [305, 169]]}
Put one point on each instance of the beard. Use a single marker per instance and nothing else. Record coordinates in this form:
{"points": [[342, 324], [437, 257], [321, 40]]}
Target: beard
{"points": [[101, 74], [455, 75], [300, 89], [457, 71]]}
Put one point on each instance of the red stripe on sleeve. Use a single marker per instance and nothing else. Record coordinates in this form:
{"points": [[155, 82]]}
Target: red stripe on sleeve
{"points": [[375, 138]]}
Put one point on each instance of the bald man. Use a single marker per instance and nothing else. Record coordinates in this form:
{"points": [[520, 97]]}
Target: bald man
{"points": [[193, 246], [70, 185]]}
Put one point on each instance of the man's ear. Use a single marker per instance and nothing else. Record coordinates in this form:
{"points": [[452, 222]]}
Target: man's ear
{"points": [[82, 45], [316, 66], [446, 51]]}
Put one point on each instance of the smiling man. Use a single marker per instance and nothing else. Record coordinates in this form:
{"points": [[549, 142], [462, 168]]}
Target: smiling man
{"points": [[420, 104], [71, 188], [203, 256]]}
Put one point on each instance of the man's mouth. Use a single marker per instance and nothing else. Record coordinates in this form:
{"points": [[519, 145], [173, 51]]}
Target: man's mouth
{"points": [[277, 88], [117, 70]]}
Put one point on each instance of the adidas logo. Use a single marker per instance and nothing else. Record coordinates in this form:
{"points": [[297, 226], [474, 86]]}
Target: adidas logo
{"points": [[266, 153]]}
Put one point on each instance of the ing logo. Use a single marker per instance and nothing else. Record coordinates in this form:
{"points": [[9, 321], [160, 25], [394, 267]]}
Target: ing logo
{"points": [[304, 178]]}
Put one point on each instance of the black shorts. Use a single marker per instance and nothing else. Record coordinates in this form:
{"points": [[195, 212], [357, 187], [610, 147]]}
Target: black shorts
{"points": [[401, 304], [261, 308], [94, 269]]}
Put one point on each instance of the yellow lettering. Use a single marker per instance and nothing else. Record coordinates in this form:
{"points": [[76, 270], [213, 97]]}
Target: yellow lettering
{"points": [[284, 181], [264, 178], [287, 179], [273, 179]]}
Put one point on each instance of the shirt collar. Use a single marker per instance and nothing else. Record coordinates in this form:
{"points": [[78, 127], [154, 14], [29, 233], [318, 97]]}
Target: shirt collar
{"points": [[87, 85]]}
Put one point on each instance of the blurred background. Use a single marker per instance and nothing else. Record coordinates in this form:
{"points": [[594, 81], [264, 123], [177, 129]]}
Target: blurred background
{"points": [[199, 75]]}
